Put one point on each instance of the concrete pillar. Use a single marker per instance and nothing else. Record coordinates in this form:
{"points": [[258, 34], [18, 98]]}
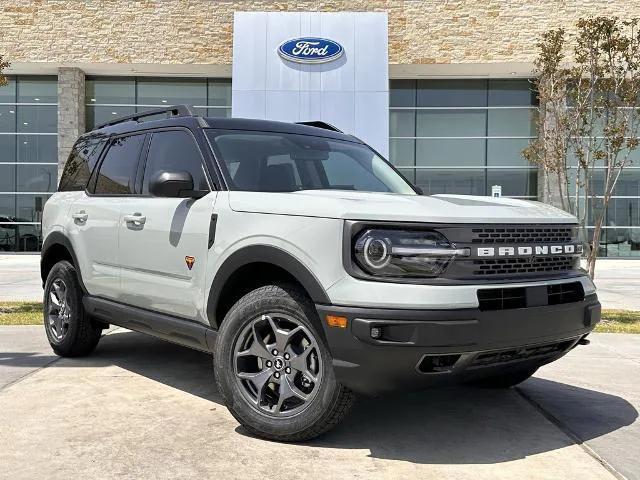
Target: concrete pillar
{"points": [[71, 118]]}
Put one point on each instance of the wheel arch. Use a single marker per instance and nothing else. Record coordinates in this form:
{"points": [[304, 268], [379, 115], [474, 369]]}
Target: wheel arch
{"points": [[274, 260], [58, 247]]}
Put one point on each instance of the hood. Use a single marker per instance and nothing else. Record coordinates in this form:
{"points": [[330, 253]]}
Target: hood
{"points": [[351, 205]]}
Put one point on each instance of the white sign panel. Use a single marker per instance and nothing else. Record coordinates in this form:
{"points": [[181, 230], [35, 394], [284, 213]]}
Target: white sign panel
{"points": [[301, 66]]}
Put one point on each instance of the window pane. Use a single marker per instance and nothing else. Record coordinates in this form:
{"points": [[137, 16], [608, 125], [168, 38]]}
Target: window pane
{"points": [[8, 148], [454, 152], [402, 123], [219, 92], [7, 178], [37, 178], [515, 183], [462, 182], [158, 91], [629, 183], [7, 207], [451, 123], [507, 152], [511, 93], [402, 93], [7, 118], [98, 115], [29, 207], [402, 151], [37, 119], [8, 92], [37, 148], [34, 90], [118, 168], [512, 122], [452, 93], [218, 112], [16, 237], [110, 90], [623, 212], [80, 164], [174, 151]]}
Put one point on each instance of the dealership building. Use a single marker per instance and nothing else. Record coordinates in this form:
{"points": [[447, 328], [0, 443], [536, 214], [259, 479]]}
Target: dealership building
{"points": [[440, 87]]}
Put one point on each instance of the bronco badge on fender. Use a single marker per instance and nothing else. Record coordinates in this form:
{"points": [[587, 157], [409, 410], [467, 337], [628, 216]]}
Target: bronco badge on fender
{"points": [[190, 261]]}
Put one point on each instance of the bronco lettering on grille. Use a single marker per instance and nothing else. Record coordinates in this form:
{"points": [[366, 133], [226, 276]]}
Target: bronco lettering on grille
{"points": [[527, 251]]}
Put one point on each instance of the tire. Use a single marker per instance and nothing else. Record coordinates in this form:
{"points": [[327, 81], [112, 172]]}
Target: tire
{"points": [[506, 380], [70, 331], [275, 410]]}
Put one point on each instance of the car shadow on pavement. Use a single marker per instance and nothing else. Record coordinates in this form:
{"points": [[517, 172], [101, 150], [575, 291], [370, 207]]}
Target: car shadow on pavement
{"points": [[438, 426]]}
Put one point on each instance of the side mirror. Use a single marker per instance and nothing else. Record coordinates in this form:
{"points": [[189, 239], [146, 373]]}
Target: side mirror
{"points": [[177, 184]]}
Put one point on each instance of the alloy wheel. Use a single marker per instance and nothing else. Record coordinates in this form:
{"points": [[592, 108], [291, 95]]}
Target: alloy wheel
{"points": [[59, 309], [277, 365]]}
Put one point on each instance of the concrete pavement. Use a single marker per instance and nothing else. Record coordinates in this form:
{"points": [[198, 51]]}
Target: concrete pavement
{"points": [[141, 408]]}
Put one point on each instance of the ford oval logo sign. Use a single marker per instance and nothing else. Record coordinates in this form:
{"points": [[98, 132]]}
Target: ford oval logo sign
{"points": [[310, 50]]}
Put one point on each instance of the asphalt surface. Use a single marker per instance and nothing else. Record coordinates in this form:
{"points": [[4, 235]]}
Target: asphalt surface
{"points": [[618, 281], [143, 408]]}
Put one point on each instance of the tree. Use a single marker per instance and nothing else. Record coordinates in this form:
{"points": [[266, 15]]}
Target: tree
{"points": [[589, 122], [3, 65]]}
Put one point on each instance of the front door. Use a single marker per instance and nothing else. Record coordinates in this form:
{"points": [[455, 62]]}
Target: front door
{"points": [[164, 241]]}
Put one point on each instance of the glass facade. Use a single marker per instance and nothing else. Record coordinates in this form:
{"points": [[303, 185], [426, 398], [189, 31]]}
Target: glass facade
{"points": [[464, 136], [457, 136], [28, 159], [111, 97]]}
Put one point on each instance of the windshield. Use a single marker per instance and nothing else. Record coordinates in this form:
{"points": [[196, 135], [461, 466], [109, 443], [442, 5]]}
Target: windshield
{"points": [[284, 162]]}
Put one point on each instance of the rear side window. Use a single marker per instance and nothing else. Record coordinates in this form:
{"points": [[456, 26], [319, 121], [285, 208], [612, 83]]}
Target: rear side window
{"points": [[174, 150], [81, 163], [118, 169]]}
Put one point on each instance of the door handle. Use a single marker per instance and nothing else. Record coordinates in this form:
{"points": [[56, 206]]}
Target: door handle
{"points": [[136, 219], [80, 216]]}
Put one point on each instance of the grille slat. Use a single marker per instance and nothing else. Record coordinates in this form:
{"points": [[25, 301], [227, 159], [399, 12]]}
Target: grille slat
{"points": [[515, 354], [523, 235], [510, 266], [516, 297]]}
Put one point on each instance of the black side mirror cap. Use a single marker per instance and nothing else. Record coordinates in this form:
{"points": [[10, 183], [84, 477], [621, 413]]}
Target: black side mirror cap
{"points": [[178, 184]]}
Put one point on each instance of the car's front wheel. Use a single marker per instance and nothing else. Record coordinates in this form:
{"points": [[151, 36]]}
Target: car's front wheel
{"points": [[70, 331], [274, 370]]}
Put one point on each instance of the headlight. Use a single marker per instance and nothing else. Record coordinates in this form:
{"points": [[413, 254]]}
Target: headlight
{"points": [[404, 253]]}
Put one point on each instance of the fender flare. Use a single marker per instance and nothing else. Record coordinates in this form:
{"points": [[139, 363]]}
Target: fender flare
{"points": [[263, 254], [59, 238]]}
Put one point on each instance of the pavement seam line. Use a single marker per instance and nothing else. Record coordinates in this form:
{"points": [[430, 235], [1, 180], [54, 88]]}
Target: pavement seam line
{"points": [[572, 436], [42, 367]]}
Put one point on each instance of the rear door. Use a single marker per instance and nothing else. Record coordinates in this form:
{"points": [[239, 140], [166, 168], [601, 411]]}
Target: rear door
{"points": [[94, 217], [164, 241]]}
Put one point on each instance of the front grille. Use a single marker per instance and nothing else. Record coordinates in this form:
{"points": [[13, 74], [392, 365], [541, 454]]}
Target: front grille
{"points": [[525, 353], [523, 234], [536, 296], [512, 266], [513, 251]]}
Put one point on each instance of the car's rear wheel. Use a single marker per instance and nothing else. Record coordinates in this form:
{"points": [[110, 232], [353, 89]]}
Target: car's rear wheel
{"points": [[505, 380], [71, 333], [273, 368]]}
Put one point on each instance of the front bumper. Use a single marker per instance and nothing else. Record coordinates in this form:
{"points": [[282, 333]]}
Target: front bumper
{"points": [[421, 348]]}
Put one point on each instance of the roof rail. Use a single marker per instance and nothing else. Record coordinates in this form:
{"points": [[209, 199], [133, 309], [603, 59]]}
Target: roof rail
{"points": [[174, 110], [320, 124]]}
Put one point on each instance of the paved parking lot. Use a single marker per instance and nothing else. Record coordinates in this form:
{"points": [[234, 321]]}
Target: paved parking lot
{"points": [[618, 281], [143, 408]]}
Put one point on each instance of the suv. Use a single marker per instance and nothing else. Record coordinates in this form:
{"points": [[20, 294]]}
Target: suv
{"points": [[305, 263]]}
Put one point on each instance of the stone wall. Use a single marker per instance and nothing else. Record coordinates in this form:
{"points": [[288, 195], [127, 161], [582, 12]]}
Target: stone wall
{"points": [[199, 31]]}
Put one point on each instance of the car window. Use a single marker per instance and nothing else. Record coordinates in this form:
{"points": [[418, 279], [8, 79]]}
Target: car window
{"points": [[118, 169], [80, 163], [174, 150], [284, 162]]}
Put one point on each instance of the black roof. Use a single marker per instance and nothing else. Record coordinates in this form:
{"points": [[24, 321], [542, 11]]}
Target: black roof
{"points": [[253, 124], [182, 116]]}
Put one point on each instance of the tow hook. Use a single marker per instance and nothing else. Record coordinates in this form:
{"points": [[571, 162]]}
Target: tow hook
{"points": [[584, 341]]}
